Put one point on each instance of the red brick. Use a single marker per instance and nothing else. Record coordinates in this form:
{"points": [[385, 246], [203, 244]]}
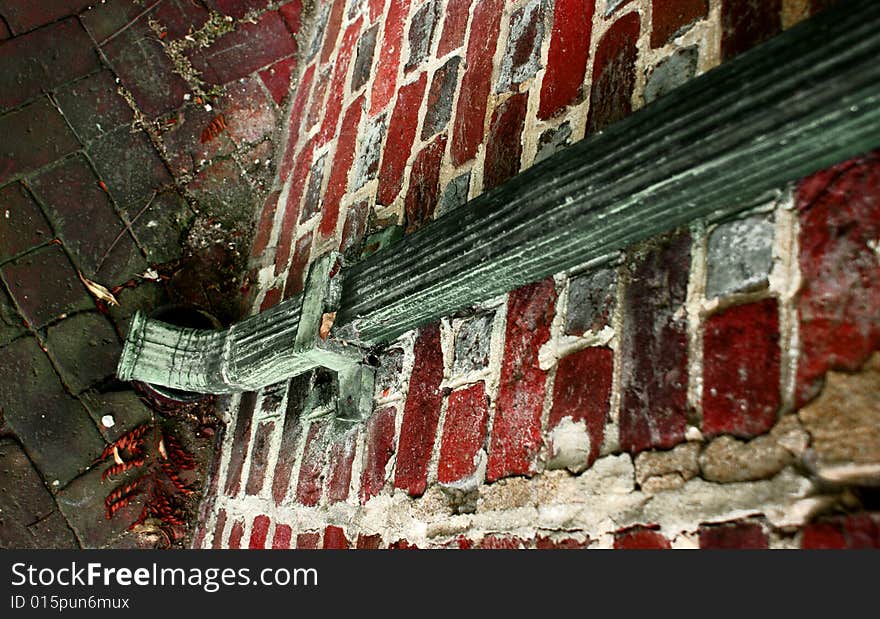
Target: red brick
{"points": [[43, 59], [32, 137], [385, 81], [240, 440], [354, 229], [249, 114], [640, 538], [235, 535], [502, 542], [855, 531], [746, 23], [296, 277], [741, 370], [249, 47], [378, 449], [504, 147], [376, 7], [421, 413], [402, 544], [614, 74], [369, 542], [259, 531], [217, 541], [316, 105], [464, 433], [567, 57], [290, 435], [333, 107], [339, 470], [331, 32], [22, 223], [734, 535], [180, 17], [454, 26], [281, 538], [260, 456], [582, 392], [237, 8], [297, 109], [337, 185], [669, 17], [291, 209], [823, 535], [476, 83], [334, 538], [25, 15], [277, 78], [839, 301], [311, 472], [654, 373], [292, 14], [308, 541], [93, 97], [546, 543], [424, 185], [265, 225], [401, 133], [516, 429]]}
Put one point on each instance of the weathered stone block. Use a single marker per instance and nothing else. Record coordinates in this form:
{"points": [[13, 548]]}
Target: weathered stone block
{"points": [[671, 72], [454, 194], [740, 256], [472, 344]]}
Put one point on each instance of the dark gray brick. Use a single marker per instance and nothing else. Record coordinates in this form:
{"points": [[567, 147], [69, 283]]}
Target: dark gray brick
{"points": [[553, 140], [591, 301], [472, 344], [454, 194], [364, 59], [439, 105], [125, 407], [312, 200], [671, 73], [421, 33], [367, 163], [85, 348], [740, 256], [522, 55]]}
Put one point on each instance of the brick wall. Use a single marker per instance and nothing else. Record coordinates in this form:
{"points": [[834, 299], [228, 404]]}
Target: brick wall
{"points": [[714, 387]]}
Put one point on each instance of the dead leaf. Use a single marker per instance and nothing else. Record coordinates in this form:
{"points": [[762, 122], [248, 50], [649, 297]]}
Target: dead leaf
{"points": [[327, 321], [162, 451], [98, 291], [116, 457], [150, 275]]}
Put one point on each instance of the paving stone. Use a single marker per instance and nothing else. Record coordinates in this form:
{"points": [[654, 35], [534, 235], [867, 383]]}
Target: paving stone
{"points": [[11, 322], [591, 301], [504, 143], [249, 47], [237, 8], [250, 115], [45, 285], [85, 348], [278, 77], [522, 54], [180, 17], [312, 200], [614, 74], [25, 15], [93, 106], [424, 185], [472, 344], [366, 164], [292, 14], [32, 137], [455, 193], [567, 56], [22, 223], [440, 95], [337, 184], [161, 228], [364, 58], [746, 23], [44, 59], [224, 194], [740, 256], [127, 410], [671, 72], [454, 25], [131, 168], [669, 19], [189, 142], [385, 81], [43, 416], [421, 33], [29, 517], [553, 140], [145, 297]]}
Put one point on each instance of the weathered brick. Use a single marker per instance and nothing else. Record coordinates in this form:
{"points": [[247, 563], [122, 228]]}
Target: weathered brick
{"points": [[337, 184], [424, 185], [180, 17], [45, 285], [385, 81], [12, 325], [223, 192], [85, 348], [568, 543], [93, 106], [297, 391], [746, 23], [401, 133], [291, 208], [331, 32], [671, 72], [265, 224], [237, 8], [42, 60], [296, 276], [43, 416], [473, 95], [740, 256], [241, 438], [125, 407], [472, 343], [235, 535], [259, 532], [567, 57], [354, 229], [249, 115], [312, 200], [25, 15], [455, 193], [552, 141], [516, 429], [421, 33], [454, 26], [839, 301], [32, 137], [581, 394], [281, 537], [316, 105], [504, 147], [190, 142], [464, 433], [376, 7], [277, 78], [308, 541], [162, 226], [378, 449], [336, 95], [522, 54], [640, 538], [297, 110], [369, 542], [22, 223], [292, 14], [339, 469], [439, 104], [4, 31], [369, 152], [591, 301], [364, 59], [421, 413], [502, 542], [334, 538], [311, 472], [614, 74], [654, 371], [672, 17], [249, 47], [260, 457], [853, 531], [219, 527], [734, 536]]}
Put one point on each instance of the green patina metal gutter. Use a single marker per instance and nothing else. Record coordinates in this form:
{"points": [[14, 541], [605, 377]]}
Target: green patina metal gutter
{"points": [[801, 102]]}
